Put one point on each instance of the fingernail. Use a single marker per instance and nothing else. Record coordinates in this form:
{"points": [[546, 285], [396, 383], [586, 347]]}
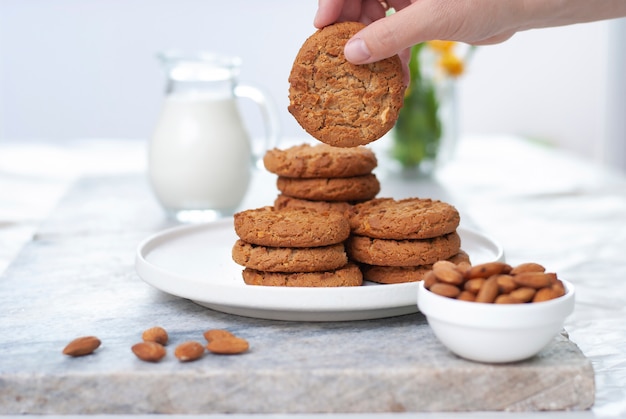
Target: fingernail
{"points": [[356, 51]]}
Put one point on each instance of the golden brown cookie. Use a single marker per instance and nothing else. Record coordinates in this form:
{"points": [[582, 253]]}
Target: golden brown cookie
{"points": [[384, 252], [320, 161], [268, 226], [340, 103], [401, 274], [356, 188], [394, 274], [411, 218], [348, 276], [284, 201], [289, 259]]}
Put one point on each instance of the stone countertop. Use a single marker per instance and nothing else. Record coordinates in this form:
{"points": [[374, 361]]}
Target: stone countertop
{"points": [[75, 276]]}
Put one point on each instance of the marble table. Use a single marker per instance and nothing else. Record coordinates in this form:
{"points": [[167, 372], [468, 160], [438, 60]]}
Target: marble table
{"points": [[73, 275]]}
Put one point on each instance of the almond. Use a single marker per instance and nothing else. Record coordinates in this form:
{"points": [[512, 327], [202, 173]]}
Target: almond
{"points": [[533, 279], [527, 267], [189, 351], [228, 346], [558, 288], [523, 294], [545, 294], [213, 334], [473, 285], [155, 334], [447, 272], [489, 291], [445, 290], [149, 351], [429, 279], [466, 296], [485, 270], [506, 299], [463, 267], [506, 283], [81, 346]]}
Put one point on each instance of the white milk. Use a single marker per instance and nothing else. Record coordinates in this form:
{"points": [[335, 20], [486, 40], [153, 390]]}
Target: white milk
{"points": [[200, 154]]}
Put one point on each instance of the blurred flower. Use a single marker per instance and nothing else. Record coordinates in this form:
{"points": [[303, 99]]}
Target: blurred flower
{"points": [[434, 67]]}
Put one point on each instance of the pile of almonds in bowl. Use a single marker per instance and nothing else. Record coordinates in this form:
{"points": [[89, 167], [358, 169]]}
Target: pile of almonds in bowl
{"points": [[494, 312], [494, 282]]}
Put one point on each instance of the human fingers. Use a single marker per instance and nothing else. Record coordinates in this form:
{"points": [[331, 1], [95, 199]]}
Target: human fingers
{"points": [[331, 11], [364, 11], [472, 21], [328, 11], [372, 10]]}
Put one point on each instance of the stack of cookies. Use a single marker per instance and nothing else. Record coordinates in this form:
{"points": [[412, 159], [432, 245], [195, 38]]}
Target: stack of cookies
{"points": [[323, 177], [398, 241], [294, 248]]}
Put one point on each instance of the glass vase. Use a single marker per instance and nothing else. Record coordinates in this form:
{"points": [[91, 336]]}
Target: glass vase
{"points": [[425, 135]]}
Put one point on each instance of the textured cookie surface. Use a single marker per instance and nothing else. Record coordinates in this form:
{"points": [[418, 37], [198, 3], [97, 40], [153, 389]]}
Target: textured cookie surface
{"points": [[268, 226], [340, 103], [289, 259], [401, 274], [384, 252], [356, 188], [284, 201], [348, 276], [411, 218], [320, 161]]}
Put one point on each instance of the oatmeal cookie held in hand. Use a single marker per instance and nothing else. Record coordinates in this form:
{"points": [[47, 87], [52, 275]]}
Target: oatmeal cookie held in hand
{"points": [[340, 103]]}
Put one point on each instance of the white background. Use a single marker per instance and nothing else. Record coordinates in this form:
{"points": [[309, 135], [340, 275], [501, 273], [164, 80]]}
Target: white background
{"points": [[86, 68]]}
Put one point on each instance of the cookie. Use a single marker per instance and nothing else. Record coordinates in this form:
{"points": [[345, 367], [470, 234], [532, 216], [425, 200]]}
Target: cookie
{"points": [[268, 226], [394, 274], [356, 188], [401, 274], [320, 161], [384, 252], [289, 259], [340, 103], [348, 276], [284, 201], [411, 218]]}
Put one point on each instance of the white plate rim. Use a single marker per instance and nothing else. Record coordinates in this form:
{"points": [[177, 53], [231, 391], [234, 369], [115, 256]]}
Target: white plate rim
{"points": [[259, 301]]}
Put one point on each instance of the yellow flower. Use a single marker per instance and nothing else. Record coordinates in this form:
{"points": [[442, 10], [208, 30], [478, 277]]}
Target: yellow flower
{"points": [[451, 64], [441, 46]]}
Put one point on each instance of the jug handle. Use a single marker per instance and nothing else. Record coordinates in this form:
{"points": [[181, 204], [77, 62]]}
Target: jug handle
{"points": [[269, 115]]}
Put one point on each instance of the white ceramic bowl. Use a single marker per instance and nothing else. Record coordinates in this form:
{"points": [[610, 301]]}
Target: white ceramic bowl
{"points": [[495, 333]]}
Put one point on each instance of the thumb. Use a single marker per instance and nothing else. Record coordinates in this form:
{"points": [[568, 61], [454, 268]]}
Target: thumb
{"points": [[381, 39], [420, 21]]}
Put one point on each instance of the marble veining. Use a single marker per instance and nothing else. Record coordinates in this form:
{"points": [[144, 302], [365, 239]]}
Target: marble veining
{"points": [[76, 277]]}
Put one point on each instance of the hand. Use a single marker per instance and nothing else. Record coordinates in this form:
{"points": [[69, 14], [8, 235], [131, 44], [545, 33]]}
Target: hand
{"points": [[476, 22]]}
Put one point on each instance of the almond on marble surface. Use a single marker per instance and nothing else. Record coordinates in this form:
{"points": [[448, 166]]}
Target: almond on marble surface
{"points": [[149, 351], [213, 334], [228, 346], [81, 346], [155, 334], [189, 351]]}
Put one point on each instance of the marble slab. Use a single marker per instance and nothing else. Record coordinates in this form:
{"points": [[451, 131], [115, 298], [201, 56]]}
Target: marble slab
{"points": [[76, 277]]}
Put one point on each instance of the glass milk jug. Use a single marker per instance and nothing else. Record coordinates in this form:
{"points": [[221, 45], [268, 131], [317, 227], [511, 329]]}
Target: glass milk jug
{"points": [[200, 157]]}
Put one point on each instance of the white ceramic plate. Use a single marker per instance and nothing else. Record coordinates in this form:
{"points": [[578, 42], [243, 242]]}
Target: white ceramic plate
{"points": [[194, 262]]}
